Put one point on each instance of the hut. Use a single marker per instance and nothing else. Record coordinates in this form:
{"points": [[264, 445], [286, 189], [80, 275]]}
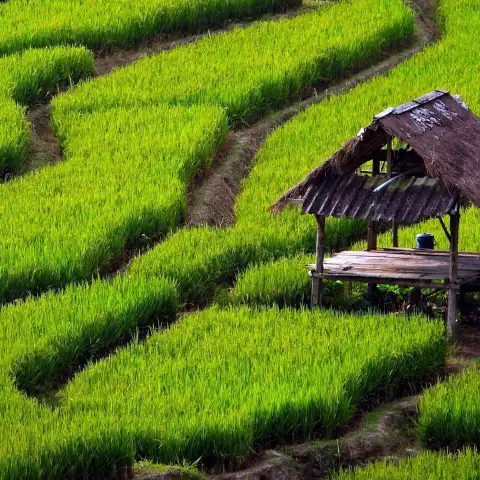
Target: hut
{"points": [[415, 161]]}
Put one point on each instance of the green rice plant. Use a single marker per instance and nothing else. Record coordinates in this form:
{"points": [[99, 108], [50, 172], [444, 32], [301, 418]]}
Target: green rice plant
{"points": [[125, 178], [222, 382], [102, 23], [469, 236], [295, 149], [450, 412], [134, 139], [427, 466], [285, 283], [74, 438], [26, 78], [42, 338], [289, 55]]}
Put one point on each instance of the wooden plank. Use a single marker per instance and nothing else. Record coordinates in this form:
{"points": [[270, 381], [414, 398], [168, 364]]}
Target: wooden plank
{"points": [[388, 281], [295, 201], [425, 251], [467, 262], [380, 274], [397, 260], [434, 273], [394, 266], [463, 268]]}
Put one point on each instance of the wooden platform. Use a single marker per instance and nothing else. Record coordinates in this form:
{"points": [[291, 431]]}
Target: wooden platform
{"points": [[396, 266]]}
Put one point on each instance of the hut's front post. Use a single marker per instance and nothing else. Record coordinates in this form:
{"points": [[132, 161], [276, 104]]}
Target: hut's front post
{"points": [[372, 245], [317, 282], [452, 292], [389, 175]]}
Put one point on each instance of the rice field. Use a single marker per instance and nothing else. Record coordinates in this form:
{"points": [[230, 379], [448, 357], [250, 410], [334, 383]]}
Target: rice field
{"points": [[223, 381], [112, 190], [29, 77], [129, 181], [100, 24], [450, 412], [258, 370], [427, 466]]}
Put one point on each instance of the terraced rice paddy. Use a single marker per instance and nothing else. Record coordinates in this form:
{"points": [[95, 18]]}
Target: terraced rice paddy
{"points": [[29, 77], [99, 24], [212, 388], [72, 244]]}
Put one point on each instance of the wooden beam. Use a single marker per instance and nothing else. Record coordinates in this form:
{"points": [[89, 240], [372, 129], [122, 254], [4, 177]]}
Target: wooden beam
{"points": [[444, 227], [375, 166], [453, 277], [389, 175], [386, 281], [372, 236], [317, 282], [424, 251]]}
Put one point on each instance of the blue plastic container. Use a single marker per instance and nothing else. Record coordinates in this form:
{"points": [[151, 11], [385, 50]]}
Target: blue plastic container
{"points": [[425, 240]]}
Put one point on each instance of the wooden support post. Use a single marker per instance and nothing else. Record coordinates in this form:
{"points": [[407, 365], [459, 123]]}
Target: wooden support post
{"points": [[453, 276], [389, 175], [372, 245], [394, 234], [317, 283], [389, 158]]}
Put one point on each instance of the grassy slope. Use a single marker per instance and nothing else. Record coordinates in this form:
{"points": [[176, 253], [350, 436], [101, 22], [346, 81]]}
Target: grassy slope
{"points": [[450, 412], [427, 466], [76, 216], [225, 251], [101, 23], [26, 78], [226, 381]]}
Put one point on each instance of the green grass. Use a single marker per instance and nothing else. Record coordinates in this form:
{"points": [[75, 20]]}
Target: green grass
{"points": [[71, 439], [29, 77], [250, 70], [285, 283], [102, 23], [124, 178], [134, 139], [450, 412], [427, 466], [224, 382], [41, 338]]}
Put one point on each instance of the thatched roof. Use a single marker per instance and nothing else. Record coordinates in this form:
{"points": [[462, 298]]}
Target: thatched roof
{"points": [[439, 127]]}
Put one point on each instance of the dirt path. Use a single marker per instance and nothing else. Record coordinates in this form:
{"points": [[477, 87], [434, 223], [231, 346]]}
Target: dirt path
{"points": [[214, 190]]}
